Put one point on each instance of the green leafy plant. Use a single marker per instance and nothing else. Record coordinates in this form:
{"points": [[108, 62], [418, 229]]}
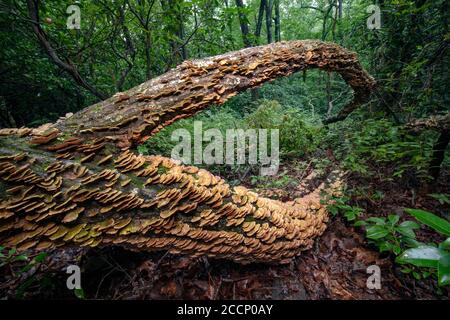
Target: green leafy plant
{"points": [[381, 142], [341, 206], [79, 293], [297, 133], [442, 198], [430, 256], [10, 256], [390, 235]]}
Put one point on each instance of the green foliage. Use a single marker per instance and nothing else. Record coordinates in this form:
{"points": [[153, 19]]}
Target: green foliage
{"points": [[388, 234], [272, 182], [442, 198], [297, 134], [438, 224], [220, 118], [381, 142], [9, 257], [339, 205], [79, 293], [430, 256]]}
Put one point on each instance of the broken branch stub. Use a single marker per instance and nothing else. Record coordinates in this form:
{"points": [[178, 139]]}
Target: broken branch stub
{"points": [[76, 182]]}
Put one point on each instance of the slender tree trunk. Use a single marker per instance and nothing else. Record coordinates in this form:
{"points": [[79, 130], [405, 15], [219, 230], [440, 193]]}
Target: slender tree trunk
{"points": [[148, 55], [277, 21], [262, 7], [243, 22], [173, 9], [329, 96], [269, 6]]}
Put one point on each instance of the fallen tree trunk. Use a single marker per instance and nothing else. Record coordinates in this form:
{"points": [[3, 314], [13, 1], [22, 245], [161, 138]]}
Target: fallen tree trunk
{"points": [[76, 182]]}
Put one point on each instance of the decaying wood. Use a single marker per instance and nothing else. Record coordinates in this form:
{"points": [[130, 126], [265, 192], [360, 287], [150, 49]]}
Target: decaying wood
{"points": [[76, 182]]}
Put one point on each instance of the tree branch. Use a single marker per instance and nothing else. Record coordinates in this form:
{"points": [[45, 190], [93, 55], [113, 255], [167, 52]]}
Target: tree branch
{"points": [[68, 66]]}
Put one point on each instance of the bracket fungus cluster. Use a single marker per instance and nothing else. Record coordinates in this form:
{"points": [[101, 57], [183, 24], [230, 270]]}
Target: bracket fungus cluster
{"points": [[78, 182]]}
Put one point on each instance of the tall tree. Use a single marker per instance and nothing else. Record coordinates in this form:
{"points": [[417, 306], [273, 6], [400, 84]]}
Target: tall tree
{"points": [[262, 7]]}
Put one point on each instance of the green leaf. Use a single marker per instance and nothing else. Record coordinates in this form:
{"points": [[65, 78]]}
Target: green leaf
{"points": [[406, 270], [79, 293], [407, 232], [422, 256], [445, 245], [442, 198], [377, 220], [40, 257], [396, 249], [385, 246], [444, 270], [21, 257], [393, 219], [376, 232], [360, 223], [410, 224], [431, 220]]}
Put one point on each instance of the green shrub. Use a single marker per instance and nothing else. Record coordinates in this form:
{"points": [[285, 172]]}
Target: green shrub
{"points": [[297, 132], [436, 257], [381, 142]]}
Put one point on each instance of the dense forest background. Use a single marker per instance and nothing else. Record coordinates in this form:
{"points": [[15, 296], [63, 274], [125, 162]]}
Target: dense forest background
{"points": [[394, 158]]}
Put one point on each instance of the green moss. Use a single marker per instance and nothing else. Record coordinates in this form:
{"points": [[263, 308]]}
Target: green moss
{"points": [[136, 181], [64, 136], [162, 170]]}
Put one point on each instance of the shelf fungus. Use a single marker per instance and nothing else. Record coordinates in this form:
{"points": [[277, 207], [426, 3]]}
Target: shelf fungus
{"points": [[78, 182]]}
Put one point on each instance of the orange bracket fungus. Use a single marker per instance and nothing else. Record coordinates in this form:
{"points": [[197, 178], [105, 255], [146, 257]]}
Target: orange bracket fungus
{"points": [[78, 181]]}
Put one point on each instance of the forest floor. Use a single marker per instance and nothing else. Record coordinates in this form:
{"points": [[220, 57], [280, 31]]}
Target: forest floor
{"points": [[335, 268]]}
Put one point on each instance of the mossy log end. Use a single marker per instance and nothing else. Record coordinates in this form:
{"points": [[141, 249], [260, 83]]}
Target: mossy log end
{"points": [[77, 182]]}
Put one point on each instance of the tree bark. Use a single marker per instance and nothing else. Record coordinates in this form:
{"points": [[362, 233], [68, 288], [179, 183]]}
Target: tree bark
{"points": [[76, 182]]}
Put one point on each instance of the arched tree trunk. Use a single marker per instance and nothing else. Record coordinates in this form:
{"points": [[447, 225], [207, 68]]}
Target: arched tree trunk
{"points": [[77, 182]]}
